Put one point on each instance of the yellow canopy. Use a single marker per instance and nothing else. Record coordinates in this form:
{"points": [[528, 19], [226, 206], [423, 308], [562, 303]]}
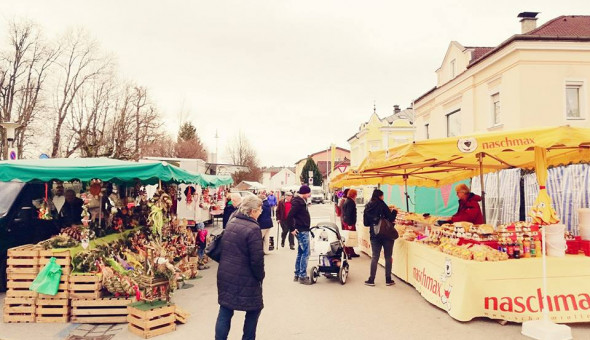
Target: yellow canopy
{"points": [[437, 162]]}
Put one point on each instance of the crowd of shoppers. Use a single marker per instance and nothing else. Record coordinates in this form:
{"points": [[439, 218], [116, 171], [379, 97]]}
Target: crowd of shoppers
{"points": [[247, 224]]}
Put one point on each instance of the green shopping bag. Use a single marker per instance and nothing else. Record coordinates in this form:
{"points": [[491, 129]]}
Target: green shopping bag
{"points": [[47, 281]]}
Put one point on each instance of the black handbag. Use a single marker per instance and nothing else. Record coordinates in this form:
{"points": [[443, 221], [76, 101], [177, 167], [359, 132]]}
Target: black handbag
{"points": [[213, 249], [385, 229]]}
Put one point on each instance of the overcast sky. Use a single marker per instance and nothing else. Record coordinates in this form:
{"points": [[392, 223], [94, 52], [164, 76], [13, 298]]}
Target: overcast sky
{"points": [[294, 76]]}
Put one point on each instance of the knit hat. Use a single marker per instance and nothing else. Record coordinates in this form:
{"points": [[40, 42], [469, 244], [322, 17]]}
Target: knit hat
{"points": [[304, 190]]}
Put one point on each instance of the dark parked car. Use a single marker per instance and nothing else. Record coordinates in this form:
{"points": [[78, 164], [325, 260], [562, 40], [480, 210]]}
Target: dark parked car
{"points": [[19, 219]]}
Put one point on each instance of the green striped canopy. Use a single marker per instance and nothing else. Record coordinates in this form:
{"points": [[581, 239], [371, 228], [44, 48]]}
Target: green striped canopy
{"points": [[85, 169]]}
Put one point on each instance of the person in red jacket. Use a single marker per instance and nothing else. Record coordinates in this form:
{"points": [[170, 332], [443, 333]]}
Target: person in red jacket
{"points": [[469, 210]]}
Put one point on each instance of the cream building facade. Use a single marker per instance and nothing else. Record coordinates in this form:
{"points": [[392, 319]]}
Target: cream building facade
{"points": [[380, 134], [537, 78]]}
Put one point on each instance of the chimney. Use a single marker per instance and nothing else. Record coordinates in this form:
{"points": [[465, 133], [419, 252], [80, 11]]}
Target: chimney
{"points": [[396, 109], [528, 21]]}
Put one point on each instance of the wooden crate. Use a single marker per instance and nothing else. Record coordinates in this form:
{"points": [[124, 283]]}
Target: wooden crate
{"points": [[23, 260], [153, 322], [62, 290], [106, 310], [18, 309], [63, 258], [52, 310], [17, 285], [85, 286], [181, 315]]}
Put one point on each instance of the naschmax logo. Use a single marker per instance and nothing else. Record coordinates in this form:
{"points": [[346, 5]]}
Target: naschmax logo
{"points": [[507, 142], [428, 282], [534, 303]]}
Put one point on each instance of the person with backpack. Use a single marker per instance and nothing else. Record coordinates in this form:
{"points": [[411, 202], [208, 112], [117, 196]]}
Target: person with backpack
{"points": [[376, 210]]}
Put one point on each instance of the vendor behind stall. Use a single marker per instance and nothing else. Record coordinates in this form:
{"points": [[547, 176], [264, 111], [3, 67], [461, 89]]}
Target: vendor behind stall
{"points": [[469, 210], [71, 212]]}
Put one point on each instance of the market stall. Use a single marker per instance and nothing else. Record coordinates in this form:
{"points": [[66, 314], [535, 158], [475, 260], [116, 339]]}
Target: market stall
{"points": [[444, 161], [507, 290], [118, 247]]}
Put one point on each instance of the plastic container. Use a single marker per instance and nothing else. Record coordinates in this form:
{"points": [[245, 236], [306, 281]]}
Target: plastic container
{"points": [[555, 240]]}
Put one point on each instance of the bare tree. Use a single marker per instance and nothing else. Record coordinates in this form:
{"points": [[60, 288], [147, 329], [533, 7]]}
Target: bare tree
{"points": [[163, 146], [136, 124], [79, 64], [241, 153], [23, 71], [87, 124]]}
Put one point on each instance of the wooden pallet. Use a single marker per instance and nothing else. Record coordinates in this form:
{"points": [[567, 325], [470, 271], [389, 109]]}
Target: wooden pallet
{"points": [[23, 260], [17, 285], [107, 310], [85, 286], [181, 315], [153, 322], [63, 258], [19, 309], [62, 290], [52, 310]]}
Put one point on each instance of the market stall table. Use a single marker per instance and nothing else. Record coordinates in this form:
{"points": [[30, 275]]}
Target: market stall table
{"points": [[505, 290]]}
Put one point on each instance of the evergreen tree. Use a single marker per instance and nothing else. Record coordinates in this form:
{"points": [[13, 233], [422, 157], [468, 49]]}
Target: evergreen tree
{"points": [[188, 144], [310, 165], [187, 131]]}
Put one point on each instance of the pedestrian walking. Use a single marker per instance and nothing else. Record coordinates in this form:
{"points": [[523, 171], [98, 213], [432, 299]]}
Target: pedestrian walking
{"points": [[283, 209], [349, 219], [272, 200], [232, 204], [241, 270], [299, 223], [375, 210], [265, 222]]}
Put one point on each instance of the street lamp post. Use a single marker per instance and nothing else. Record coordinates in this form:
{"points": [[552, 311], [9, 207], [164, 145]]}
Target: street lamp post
{"points": [[10, 137]]}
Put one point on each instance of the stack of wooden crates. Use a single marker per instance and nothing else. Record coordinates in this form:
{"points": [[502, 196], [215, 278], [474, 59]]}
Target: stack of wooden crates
{"points": [[22, 266], [23, 305], [88, 305]]}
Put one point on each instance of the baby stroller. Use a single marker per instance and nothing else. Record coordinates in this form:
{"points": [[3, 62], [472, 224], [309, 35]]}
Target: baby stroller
{"points": [[328, 246]]}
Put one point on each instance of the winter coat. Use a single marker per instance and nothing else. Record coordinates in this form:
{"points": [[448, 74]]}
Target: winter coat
{"points": [[374, 211], [283, 210], [265, 218], [349, 212], [241, 267], [469, 210], [227, 211], [272, 200], [298, 217]]}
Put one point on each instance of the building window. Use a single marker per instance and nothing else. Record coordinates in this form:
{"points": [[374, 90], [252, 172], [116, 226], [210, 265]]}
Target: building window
{"points": [[426, 130], [452, 68], [572, 100], [454, 123], [496, 109]]}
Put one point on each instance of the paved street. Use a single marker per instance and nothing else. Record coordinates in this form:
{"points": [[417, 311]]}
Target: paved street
{"points": [[324, 310]]}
